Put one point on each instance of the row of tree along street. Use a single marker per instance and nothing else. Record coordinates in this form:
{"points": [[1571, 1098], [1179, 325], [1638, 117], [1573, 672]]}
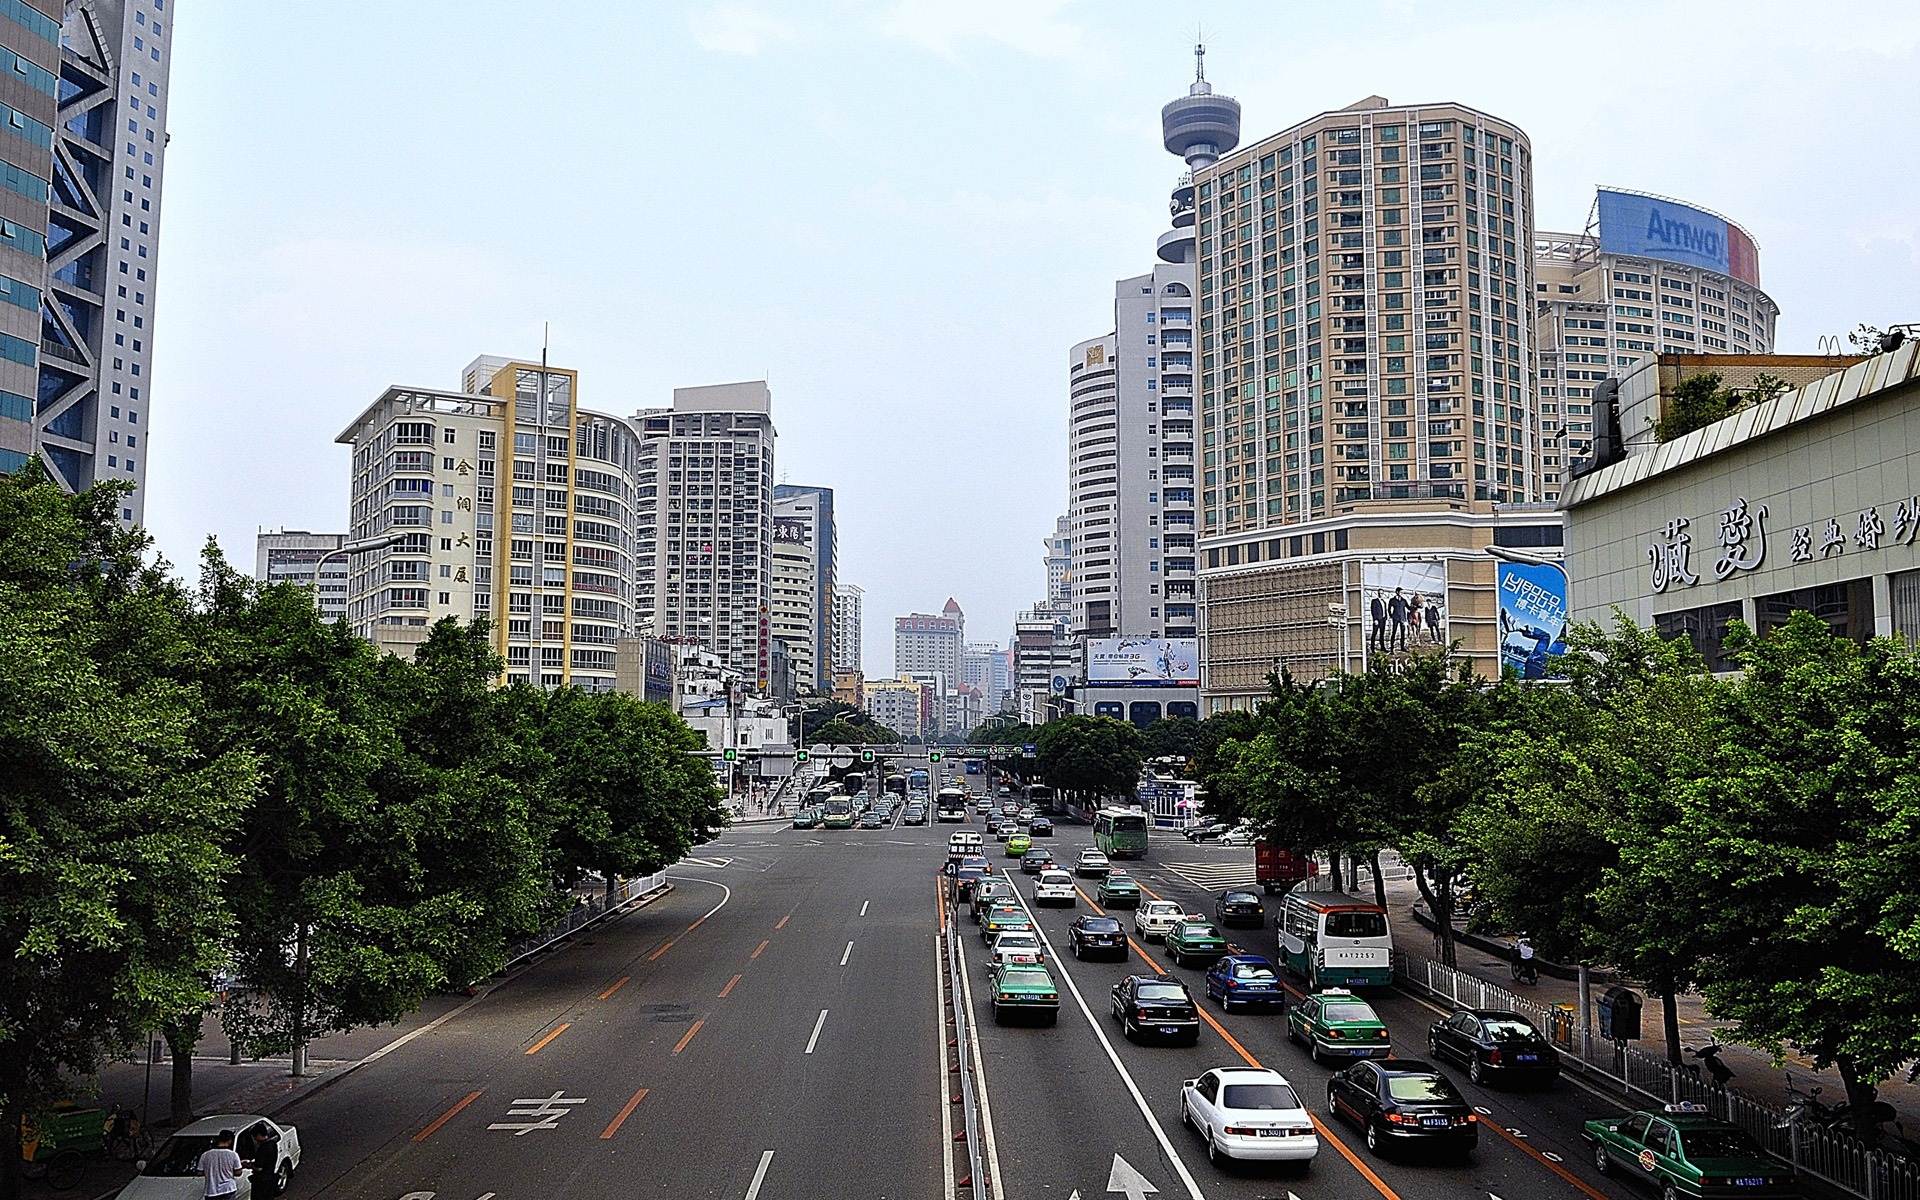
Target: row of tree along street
{"points": [[1755, 837], [210, 786]]}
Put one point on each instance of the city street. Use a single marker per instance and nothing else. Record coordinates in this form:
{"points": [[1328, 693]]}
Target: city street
{"points": [[773, 1029]]}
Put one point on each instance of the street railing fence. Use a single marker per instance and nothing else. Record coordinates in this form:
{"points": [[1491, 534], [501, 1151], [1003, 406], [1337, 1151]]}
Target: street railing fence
{"points": [[1642, 1078], [591, 910]]}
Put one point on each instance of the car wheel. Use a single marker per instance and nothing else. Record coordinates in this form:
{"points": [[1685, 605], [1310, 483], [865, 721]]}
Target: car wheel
{"points": [[1668, 1193], [1433, 1046], [1186, 1115], [1215, 1154], [999, 1016], [1477, 1071], [1333, 1110], [282, 1176], [1291, 1035], [1373, 1137], [1602, 1162], [1129, 1029], [1053, 1018]]}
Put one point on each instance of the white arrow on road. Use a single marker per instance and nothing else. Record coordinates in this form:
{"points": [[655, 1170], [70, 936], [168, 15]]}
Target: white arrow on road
{"points": [[1128, 1181]]}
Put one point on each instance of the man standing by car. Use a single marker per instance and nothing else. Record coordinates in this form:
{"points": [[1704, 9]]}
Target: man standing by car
{"points": [[263, 1151], [220, 1167]]}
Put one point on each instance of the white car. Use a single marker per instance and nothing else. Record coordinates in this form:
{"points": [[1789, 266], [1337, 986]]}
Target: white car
{"points": [[1016, 948], [173, 1174], [1092, 864], [1054, 887], [1242, 836], [1248, 1113], [1156, 918]]}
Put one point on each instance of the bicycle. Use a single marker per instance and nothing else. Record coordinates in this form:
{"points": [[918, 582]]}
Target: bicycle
{"points": [[1522, 967]]}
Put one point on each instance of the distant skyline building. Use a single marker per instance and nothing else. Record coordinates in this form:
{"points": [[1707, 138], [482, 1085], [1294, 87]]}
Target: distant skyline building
{"points": [[930, 645], [704, 523], [988, 668], [896, 703], [807, 512], [794, 577], [1059, 562], [292, 556], [848, 604], [79, 236]]}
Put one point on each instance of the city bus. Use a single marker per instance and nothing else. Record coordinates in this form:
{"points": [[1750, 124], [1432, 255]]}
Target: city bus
{"points": [[1334, 940], [1041, 797], [840, 814], [952, 804], [1120, 832]]}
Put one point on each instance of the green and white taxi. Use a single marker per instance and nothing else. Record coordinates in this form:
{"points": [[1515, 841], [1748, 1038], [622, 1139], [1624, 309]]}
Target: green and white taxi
{"points": [[1681, 1151], [1193, 942], [1024, 991], [1336, 1024]]}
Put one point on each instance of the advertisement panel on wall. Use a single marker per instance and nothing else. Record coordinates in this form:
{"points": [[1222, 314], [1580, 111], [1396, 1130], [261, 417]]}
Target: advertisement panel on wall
{"points": [[1143, 662], [1405, 605], [1533, 618], [1650, 227]]}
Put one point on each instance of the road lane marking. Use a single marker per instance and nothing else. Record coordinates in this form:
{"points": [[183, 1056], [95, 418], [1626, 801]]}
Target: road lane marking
{"points": [[1089, 899], [1100, 1033], [613, 1126], [687, 1036], [729, 987], [617, 985], [753, 1189], [444, 1117], [759, 948], [782, 922], [1551, 1164], [846, 954], [940, 1041], [863, 907], [541, 1044], [817, 1025], [1147, 958], [661, 950], [726, 892]]}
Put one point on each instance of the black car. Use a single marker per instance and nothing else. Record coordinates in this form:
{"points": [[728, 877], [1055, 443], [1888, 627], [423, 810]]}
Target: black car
{"points": [[1239, 910], [1399, 1101], [914, 815], [1090, 935], [1033, 861], [964, 879], [1153, 1005], [1040, 827], [1491, 1042], [873, 818], [1201, 833]]}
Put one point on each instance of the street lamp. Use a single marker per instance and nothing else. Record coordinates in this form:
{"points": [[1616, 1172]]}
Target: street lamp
{"points": [[348, 550]]}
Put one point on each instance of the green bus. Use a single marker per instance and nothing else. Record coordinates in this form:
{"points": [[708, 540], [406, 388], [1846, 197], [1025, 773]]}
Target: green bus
{"points": [[840, 814], [1120, 832]]}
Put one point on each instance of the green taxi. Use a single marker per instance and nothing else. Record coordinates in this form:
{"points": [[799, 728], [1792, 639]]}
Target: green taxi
{"points": [[1337, 1024], [806, 818], [999, 920], [1018, 845], [1192, 942], [1024, 991], [1118, 890], [1684, 1152]]}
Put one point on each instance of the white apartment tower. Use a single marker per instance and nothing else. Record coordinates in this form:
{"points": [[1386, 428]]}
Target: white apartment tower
{"points": [[929, 645], [796, 570], [705, 529], [294, 556], [847, 601]]}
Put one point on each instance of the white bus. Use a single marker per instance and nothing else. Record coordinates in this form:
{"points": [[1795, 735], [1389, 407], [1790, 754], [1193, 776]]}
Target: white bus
{"points": [[951, 804]]}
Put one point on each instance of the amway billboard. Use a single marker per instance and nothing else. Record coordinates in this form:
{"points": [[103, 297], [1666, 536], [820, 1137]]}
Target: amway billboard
{"points": [[1143, 662], [1650, 227]]}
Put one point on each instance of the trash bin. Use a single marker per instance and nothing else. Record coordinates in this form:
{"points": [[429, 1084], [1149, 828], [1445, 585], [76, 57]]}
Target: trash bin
{"points": [[1560, 1025], [1619, 1015]]}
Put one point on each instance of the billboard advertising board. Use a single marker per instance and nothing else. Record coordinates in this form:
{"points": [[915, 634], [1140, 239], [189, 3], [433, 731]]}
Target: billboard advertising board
{"points": [[1143, 662], [1406, 606], [1650, 227], [1533, 618]]}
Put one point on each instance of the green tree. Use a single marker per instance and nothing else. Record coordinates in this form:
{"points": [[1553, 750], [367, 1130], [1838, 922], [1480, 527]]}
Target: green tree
{"points": [[846, 733], [627, 791], [1799, 852], [1173, 737], [110, 863], [1002, 733], [1699, 401], [1090, 756]]}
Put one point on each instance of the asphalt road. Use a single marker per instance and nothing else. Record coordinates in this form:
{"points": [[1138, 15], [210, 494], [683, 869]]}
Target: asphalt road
{"points": [[682, 1051]]}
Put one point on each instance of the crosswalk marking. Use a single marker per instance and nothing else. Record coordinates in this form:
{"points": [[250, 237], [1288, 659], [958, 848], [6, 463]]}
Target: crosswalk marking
{"points": [[1213, 877]]}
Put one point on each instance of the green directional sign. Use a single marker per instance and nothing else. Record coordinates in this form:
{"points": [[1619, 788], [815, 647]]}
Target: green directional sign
{"points": [[801, 756], [866, 756], [933, 756], [729, 754]]}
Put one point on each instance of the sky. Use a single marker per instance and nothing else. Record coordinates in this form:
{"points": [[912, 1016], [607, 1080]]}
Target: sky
{"points": [[901, 213]]}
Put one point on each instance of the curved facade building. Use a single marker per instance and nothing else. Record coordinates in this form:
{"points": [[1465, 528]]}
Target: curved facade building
{"points": [[1650, 275]]}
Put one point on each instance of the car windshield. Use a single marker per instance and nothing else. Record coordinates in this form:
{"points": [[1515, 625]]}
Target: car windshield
{"points": [[179, 1156], [1017, 941], [1420, 1087], [1162, 991], [1347, 1010], [1356, 925], [1266, 1096], [1026, 979], [1162, 908], [1100, 925], [1509, 1029], [1240, 898], [1718, 1143], [1250, 971]]}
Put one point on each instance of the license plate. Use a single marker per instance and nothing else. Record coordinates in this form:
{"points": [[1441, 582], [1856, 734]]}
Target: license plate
{"points": [[1433, 1120], [1527, 1057], [1272, 1132], [1749, 1182], [1169, 1029]]}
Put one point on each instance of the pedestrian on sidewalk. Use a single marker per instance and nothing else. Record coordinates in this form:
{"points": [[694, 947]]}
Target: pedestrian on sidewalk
{"points": [[220, 1167]]}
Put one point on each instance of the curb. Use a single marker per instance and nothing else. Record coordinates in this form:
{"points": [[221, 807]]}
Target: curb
{"points": [[1489, 946]]}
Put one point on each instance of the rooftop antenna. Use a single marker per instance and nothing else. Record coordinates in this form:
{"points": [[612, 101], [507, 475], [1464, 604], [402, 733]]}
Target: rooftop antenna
{"points": [[1200, 85]]}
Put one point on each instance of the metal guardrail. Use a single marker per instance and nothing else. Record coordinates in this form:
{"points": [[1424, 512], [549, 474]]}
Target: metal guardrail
{"points": [[1834, 1158], [591, 911], [977, 1179]]}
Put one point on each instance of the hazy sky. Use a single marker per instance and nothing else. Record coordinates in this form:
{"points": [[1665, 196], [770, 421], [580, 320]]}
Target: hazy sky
{"points": [[900, 212]]}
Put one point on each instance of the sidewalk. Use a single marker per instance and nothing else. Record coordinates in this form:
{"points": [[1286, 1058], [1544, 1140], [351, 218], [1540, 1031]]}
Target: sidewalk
{"points": [[1754, 1075]]}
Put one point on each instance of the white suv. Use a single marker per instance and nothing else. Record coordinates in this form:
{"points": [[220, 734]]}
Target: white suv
{"points": [[1054, 887]]}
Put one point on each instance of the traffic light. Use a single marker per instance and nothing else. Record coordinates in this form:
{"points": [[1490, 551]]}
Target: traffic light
{"points": [[866, 756], [729, 754], [933, 756], [801, 756]]}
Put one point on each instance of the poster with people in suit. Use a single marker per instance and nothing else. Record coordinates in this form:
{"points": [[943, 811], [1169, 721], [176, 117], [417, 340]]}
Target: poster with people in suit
{"points": [[1405, 607]]}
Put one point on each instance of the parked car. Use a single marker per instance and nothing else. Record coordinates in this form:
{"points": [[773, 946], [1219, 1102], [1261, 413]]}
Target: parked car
{"points": [[1017, 948], [1003, 920], [1400, 1101], [1040, 827], [1018, 844], [806, 818], [1054, 887], [1337, 1024], [1248, 1113], [915, 814], [985, 893], [1192, 941], [1207, 832], [1024, 992], [1245, 980], [1491, 1042], [1243, 836], [173, 1172], [1034, 861], [1237, 909], [1155, 1005], [1091, 935]]}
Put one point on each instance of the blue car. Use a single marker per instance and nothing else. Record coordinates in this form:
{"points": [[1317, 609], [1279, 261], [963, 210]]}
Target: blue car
{"points": [[1244, 979]]}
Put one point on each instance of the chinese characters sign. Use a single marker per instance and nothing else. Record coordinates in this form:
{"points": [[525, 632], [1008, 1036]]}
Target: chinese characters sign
{"points": [[1742, 541]]}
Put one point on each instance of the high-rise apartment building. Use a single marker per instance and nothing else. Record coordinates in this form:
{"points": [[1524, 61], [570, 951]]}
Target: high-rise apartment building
{"points": [[705, 528], [989, 669], [294, 556], [1059, 563], [847, 653], [806, 512], [928, 645], [795, 576], [83, 153], [1649, 276], [513, 504], [899, 704], [1043, 662]]}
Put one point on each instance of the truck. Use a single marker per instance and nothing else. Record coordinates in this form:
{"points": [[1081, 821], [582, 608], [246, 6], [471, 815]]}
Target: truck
{"points": [[1277, 869]]}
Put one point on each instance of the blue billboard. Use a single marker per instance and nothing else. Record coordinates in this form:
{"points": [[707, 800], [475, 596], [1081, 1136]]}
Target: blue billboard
{"points": [[1652, 227], [1533, 618]]}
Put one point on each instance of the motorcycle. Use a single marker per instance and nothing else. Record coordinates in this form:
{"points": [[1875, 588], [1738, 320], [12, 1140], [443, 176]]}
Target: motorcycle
{"points": [[1709, 1056]]}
